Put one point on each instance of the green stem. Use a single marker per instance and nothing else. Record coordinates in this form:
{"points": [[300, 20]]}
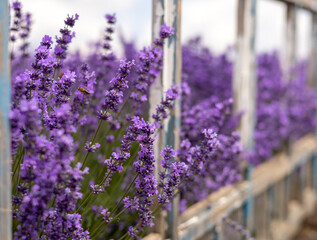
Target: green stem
{"points": [[17, 162], [90, 194], [156, 210], [93, 141], [124, 195], [119, 214], [85, 200], [96, 232]]}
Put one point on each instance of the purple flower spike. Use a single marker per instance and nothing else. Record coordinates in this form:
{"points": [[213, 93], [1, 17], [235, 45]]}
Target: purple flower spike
{"points": [[111, 18], [166, 31], [70, 21]]}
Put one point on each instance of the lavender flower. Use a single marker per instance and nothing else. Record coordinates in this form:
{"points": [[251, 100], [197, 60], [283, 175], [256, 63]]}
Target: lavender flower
{"points": [[90, 147], [167, 103], [63, 40], [150, 65], [113, 96], [171, 176]]}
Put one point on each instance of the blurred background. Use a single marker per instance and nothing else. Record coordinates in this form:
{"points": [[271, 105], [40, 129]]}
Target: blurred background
{"points": [[214, 20]]}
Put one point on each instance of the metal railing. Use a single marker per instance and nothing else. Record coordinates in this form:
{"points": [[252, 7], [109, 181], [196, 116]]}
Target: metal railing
{"points": [[276, 195]]}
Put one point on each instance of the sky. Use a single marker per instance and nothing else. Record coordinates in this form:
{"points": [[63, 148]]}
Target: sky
{"points": [[214, 20]]}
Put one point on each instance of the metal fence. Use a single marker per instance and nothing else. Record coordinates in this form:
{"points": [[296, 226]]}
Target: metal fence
{"points": [[275, 196]]}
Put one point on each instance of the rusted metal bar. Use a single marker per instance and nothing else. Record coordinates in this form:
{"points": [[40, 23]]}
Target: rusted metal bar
{"points": [[5, 149]]}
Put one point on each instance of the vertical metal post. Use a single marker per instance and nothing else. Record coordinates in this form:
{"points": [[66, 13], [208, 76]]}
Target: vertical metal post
{"points": [[5, 149], [156, 93], [244, 84], [290, 51], [270, 211], [172, 75], [169, 12], [314, 52], [315, 172], [289, 59], [216, 237]]}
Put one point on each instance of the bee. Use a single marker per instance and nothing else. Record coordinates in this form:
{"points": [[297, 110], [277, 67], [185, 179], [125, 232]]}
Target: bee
{"points": [[83, 90], [60, 75]]}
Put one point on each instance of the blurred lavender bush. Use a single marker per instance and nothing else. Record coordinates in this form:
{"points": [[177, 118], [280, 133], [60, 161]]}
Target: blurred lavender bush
{"points": [[82, 140]]}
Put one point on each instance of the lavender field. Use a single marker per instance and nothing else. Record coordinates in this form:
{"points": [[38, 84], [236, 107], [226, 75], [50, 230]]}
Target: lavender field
{"points": [[85, 162]]}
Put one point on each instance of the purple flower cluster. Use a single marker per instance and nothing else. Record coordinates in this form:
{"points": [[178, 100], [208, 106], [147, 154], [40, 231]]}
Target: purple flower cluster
{"points": [[207, 104], [48, 186], [20, 30], [272, 121], [171, 176], [55, 98], [301, 103], [207, 75], [167, 103], [63, 41], [83, 95], [145, 184], [53, 111], [149, 66], [108, 56], [284, 108], [114, 96]]}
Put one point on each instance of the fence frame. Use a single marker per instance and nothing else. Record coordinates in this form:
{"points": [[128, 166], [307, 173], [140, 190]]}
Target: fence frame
{"points": [[169, 11], [5, 147], [244, 87]]}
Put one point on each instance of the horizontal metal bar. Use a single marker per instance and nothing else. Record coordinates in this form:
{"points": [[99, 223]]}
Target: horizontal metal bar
{"points": [[310, 5]]}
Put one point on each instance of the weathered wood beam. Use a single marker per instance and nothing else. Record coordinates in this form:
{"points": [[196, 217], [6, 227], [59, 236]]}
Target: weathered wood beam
{"points": [[206, 214], [5, 140]]}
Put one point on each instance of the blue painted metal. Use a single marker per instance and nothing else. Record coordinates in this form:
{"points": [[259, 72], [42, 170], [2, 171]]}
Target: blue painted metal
{"points": [[173, 131], [216, 235], [5, 149], [248, 204], [315, 172], [270, 203]]}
